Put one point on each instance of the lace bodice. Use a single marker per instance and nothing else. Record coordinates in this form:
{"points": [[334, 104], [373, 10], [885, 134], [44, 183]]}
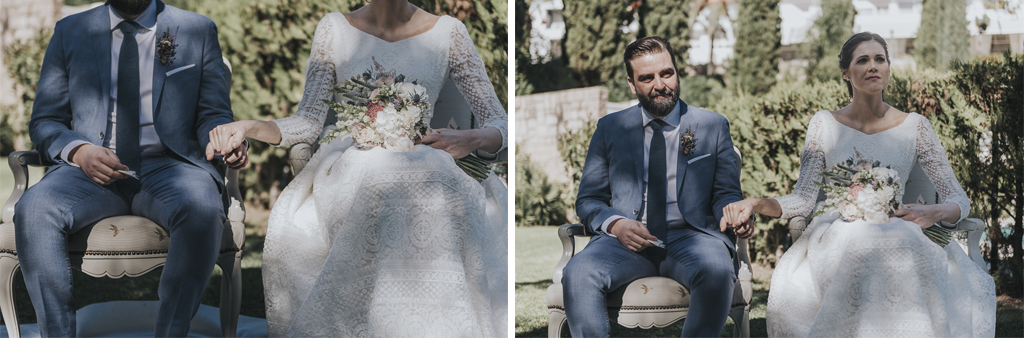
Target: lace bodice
{"points": [[829, 142], [341, 51]]}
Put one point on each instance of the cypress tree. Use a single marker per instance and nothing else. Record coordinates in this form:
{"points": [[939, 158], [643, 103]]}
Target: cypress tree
{"points": [[756, 52], [827, 35], [943, 34], [594, 43], [670, 20]]}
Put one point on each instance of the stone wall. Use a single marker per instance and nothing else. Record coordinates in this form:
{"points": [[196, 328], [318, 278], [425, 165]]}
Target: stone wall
{"points": [[540, 118]]}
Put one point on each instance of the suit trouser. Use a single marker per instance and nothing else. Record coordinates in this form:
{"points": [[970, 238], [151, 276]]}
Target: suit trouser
{"points": [[179, 196], [698, 261]]}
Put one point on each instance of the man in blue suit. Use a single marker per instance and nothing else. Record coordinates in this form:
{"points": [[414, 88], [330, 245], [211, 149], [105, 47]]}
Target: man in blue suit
{"points": [[127, 96], [653, 192]]}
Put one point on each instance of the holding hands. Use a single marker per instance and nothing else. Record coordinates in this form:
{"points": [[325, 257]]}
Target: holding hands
{"points": [[228, 140], [739, 215]]}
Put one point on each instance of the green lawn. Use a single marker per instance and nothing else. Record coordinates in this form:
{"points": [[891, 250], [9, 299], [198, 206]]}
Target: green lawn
{"points": [[89, 290], [538, 250]]}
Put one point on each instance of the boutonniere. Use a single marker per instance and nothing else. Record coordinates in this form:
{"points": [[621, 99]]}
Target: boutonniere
{"points": [[687, 141], [165, 48]]}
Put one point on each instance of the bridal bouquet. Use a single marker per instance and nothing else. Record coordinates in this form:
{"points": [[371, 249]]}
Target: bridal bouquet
{"points": [[380, 109], [861, 189]]}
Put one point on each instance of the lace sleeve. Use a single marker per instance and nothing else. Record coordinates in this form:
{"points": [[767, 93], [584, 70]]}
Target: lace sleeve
{"points": [[466, 70], [308, 121], [812, 163], [932, 158]]}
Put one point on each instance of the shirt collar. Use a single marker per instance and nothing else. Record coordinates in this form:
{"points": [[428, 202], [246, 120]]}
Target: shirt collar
{"points": [[147, 20], [672, 119]]}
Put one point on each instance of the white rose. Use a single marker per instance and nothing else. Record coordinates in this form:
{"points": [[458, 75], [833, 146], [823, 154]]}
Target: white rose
{"points": [[399, 144], [363, 135], [876, 217], [849, 210]]}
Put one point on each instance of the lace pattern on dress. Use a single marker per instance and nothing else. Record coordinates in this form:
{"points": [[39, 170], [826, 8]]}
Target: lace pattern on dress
{"points": [[305, 125], [932, 157], [467, 71], [812, 163]]}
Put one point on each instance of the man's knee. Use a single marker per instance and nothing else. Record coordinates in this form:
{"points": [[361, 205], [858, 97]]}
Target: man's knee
{"points": [[720, 273], [38, 206]]}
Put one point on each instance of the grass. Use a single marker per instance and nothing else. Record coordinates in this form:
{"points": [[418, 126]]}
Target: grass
{"points": [[538, 250], [88, 290]]}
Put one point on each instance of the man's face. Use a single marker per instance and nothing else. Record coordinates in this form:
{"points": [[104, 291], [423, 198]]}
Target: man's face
{"points": [[130, 7], [655, 83]]}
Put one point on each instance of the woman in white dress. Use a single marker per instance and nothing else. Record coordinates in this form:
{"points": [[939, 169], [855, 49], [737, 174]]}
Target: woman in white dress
{"points": [[378, 242], [847, 279]]}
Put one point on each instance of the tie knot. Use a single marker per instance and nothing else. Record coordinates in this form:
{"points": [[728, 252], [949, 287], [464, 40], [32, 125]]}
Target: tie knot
{"points": [[128, 27], [657, 124]]}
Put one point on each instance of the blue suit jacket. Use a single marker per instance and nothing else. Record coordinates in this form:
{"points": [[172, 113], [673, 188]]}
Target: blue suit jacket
{"points": [[612, 182], [73, 95]]}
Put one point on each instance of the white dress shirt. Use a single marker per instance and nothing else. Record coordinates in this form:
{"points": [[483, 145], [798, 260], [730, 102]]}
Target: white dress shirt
{"points": [[146, 38], [671, 132]]}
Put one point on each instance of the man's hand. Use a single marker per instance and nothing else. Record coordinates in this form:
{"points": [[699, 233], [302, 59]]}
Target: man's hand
{"points": [[226, 139], [632, 234], [99, 163], [237, 158], [740, 216]]}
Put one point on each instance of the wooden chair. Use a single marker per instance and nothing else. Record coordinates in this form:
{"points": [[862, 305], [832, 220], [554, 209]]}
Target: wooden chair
{"points": [[137, 247], [918, 186], [647, 302]]}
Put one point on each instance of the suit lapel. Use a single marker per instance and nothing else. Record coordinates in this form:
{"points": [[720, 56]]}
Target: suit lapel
{"points": [[159, 70], [684, 122], [634, 127]]}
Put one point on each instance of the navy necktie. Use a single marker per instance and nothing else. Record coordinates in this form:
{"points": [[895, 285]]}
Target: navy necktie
{"points": [[129, 103], [657, 183]]}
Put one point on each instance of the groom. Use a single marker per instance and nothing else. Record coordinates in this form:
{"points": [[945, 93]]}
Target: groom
{"points": [[117, 95], [654, 195]]}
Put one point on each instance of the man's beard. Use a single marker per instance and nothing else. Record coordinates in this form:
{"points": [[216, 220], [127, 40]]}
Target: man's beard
{"points": [[130, 7], [659, 108]]}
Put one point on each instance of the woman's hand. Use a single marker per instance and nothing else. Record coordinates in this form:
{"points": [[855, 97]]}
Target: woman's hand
{"points": [[738, 214], [922, 215], [458, 143]]}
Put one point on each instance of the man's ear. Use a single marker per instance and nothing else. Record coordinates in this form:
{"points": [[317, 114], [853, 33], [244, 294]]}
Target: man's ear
{"points": [[632, 87]]}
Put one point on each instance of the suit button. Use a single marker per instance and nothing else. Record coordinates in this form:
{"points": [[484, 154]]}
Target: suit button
{"points": [[635, 211], [101, 134]]}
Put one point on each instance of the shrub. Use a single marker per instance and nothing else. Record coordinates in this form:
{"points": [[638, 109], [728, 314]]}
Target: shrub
{"points": [[538, 201]]}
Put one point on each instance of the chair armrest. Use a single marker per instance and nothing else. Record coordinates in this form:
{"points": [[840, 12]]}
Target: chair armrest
{"points": [[19, 162], [796, 227], [975, 228], [299, 154], [236, 209], [566, 234]]}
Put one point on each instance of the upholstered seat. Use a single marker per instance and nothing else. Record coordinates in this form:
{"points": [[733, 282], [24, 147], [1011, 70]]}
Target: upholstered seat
{"points": [[122, 246]]}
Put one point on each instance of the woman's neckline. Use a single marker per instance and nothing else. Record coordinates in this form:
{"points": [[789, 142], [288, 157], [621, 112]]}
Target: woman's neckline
{"points": [[432, 27], [833, 116]]}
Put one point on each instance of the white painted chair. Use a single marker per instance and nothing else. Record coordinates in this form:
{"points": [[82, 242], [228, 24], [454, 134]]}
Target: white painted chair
{"points": [[647, 302], [122, 246], [918, 186]]}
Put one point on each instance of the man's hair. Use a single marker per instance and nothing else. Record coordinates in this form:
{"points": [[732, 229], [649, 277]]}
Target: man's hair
{"points": [[646, 46]]}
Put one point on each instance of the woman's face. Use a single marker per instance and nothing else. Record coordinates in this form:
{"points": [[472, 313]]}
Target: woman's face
{"points": [[869, 69]]}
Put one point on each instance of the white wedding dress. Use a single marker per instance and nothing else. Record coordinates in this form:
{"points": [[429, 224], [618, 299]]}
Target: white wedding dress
{"points": [[860, 279], [367, 243]]}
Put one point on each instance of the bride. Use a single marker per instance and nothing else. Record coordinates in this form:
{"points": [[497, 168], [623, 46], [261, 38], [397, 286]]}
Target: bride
{"points": [[377, 242], [873, 280]]}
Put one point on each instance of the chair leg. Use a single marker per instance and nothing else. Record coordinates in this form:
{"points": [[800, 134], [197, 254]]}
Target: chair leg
{"points": [[230, 292], [741, 322], [8, 266], [556, 322]]}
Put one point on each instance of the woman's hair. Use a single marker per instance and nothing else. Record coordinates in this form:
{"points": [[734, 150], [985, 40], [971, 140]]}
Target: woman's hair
{"points": [[846, 54]]}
